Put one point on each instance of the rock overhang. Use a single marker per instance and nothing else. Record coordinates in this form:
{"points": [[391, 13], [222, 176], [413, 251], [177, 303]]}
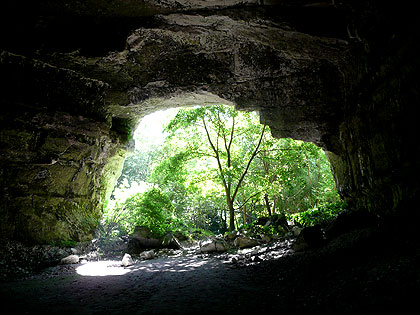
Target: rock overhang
{"points": [[316, 84]]}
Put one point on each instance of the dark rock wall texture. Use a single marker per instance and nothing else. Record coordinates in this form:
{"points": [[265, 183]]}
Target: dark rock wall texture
{"points": [[77, 76]]}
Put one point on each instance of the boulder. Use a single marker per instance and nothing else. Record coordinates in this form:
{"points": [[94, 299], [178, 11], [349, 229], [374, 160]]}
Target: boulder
{"points": [[245, 241], [300, 244], [141, 239], [127, 260], [170, 241], [74, 251], [212, 245], [72, 259], [180, 236], [137, 245], [231, 236], [149, 254]]}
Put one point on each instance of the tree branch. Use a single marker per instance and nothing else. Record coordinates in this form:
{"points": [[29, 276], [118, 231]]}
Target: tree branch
{"points": [[246, 201], [216, 152], [256, 151]]}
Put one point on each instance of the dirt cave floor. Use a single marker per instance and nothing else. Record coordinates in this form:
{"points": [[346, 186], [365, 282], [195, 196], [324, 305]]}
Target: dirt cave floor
{"points": [[368, 274]]}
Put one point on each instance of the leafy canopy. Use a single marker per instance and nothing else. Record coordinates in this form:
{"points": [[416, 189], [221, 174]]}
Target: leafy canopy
{"points": [[218, 168]]}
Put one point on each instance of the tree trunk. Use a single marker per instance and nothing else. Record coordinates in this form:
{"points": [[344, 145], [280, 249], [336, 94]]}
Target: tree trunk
{"points": [[231, 213], [244, 208], [275, 204], [267, 204]]}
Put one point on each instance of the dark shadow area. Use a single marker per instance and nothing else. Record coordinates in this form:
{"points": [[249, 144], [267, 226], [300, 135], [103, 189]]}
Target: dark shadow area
{"points": [[365, 271]]}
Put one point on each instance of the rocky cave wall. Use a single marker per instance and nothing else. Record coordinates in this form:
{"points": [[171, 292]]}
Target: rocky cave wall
{"points": [[77, 77]]}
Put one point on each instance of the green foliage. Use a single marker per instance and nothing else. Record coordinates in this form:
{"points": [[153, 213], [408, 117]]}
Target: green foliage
{"points": [[257, 230], [136, 167], [295, 175], [223, 143], [204, 159], [152, 209], [319, 215]]}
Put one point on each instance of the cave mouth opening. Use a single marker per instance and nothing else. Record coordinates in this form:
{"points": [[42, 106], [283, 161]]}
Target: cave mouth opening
{"points": [[187, 160]]}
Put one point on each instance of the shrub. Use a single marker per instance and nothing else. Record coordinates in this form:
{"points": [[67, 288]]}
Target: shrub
{"points": [[152, 209], [319, 215]]}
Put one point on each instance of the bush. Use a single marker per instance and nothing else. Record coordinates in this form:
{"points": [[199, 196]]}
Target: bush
{"points": [[152, 209], [319, 215]]}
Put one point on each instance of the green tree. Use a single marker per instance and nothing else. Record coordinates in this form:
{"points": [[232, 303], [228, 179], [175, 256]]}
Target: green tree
{"points": [[294, 176], [216, 162], [137, 166], [152, 209], [225, 134]]}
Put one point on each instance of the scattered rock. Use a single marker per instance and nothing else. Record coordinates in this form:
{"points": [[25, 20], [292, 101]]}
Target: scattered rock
{"points": [[75, 251], [127, 260], [149, 254], [231, 236], [245, 241], [72, 259], [212, 245]]}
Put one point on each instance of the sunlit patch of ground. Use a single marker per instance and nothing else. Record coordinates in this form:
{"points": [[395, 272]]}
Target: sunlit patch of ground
{"points": [[114, 268], [102, 268]]}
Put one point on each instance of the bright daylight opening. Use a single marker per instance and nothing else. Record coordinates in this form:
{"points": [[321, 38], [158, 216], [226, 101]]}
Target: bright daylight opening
{"points": [[208, 170], [212, 179]]}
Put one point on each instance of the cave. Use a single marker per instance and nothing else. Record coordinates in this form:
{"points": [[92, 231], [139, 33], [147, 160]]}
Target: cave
{"points": [[77, 77]]}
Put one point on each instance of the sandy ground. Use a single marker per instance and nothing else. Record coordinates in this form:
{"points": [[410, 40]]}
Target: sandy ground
{"points": [[176, 285], [362, 279]]}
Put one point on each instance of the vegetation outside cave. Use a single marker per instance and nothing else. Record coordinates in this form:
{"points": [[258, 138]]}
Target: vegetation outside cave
{"points": [[212, 169]]}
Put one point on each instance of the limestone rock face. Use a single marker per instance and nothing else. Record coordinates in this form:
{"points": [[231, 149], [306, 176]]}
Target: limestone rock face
{"points": [[57, 167], [76, 77]]}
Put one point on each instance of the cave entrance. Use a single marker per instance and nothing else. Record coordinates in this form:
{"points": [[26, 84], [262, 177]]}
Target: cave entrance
{"points": [[188, 160]]}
